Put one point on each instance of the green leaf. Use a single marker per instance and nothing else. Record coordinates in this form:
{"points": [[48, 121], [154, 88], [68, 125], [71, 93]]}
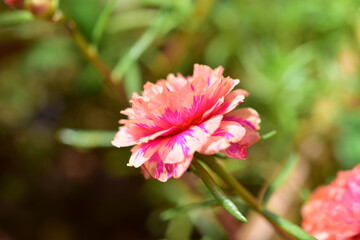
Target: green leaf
{"points": [[281, 177], [132, 19], [141, 45], [55, 3], [179, 228], [289, 227], [86, 138], [268, 135], [14, 17], [133, 80], [216, 191], [173, 212], [101, 22]]}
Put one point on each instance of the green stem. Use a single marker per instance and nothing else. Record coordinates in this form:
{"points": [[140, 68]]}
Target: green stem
{"points": [[242, 192], [216, 191]]}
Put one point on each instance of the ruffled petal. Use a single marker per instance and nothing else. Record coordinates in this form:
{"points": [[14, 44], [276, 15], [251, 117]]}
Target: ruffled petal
{"points": [[205, 72], [232, 100], [248, 115], [228, 132], [126, 136], [238, 150], [156, 168], [179, 147], [140, 131], [143, 152]]}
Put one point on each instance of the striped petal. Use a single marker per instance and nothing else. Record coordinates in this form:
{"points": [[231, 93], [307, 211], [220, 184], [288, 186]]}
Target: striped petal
{"points": [[228, 132]]}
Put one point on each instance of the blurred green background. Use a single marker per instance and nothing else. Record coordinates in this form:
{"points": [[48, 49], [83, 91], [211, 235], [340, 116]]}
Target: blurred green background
{"points": [[61, 179]]}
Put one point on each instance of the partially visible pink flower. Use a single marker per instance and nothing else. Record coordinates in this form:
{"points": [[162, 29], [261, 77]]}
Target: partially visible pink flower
{"points": [[179, 116], [14, 3], [333, 212]]}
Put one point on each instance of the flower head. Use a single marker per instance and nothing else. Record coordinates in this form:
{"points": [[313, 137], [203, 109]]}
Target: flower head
{"points": [[333, 212], [179, 116]]}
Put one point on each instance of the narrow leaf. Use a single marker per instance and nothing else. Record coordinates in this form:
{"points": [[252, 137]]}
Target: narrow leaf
{"points": [[268, 135], [140, 46], [289, 227], [173, 212], [86, 138], [14, 17], [180, 227], [55, 3], [221, 155], [132, 19], [101, 22], [281, 177], [133, 80], [216, 191]]}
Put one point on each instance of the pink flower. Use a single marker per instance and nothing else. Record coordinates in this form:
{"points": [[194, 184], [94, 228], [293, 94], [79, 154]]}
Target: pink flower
{"points": [[179, 116], [333, 212], [14, 3]]}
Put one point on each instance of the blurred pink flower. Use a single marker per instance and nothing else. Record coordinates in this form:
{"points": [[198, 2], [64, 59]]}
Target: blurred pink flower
{"points": [[179, 116], [333, 212], [14, 3]]}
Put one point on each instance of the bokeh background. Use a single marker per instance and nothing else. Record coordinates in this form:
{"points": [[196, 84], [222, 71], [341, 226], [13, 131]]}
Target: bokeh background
{"points": [[61, 179]]}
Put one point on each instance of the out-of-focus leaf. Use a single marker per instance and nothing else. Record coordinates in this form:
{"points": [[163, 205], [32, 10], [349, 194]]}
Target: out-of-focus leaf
{"points": [[281, 177], [218, 51], [126, 62], [132, 19], [49, 54], [221, 155], [203, 219], [347, 148], [133, 80], [55, 3], [206, 224], [268, 135], [88, 83], [179, 228], [115, 160], [289, 227], [216, 191], [15, 17], [181, 5], [173, 212], [85, 13], [86, 138], [101, 22]]}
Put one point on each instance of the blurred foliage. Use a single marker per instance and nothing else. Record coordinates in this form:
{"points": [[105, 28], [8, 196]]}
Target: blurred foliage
{"points": [[298, 59]]}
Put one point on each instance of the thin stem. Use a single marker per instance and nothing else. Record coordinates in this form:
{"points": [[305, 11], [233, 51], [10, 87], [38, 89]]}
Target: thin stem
{"points": [[91, 54], [216, 191], [242, 192]]}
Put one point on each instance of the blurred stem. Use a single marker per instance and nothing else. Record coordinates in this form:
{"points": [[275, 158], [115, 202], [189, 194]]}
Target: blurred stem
{"points": [[242, 192], [92, 56]]}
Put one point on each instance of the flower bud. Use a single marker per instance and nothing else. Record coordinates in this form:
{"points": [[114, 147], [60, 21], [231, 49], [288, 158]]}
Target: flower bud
{"points": [[14, 3], [40, 8]]}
